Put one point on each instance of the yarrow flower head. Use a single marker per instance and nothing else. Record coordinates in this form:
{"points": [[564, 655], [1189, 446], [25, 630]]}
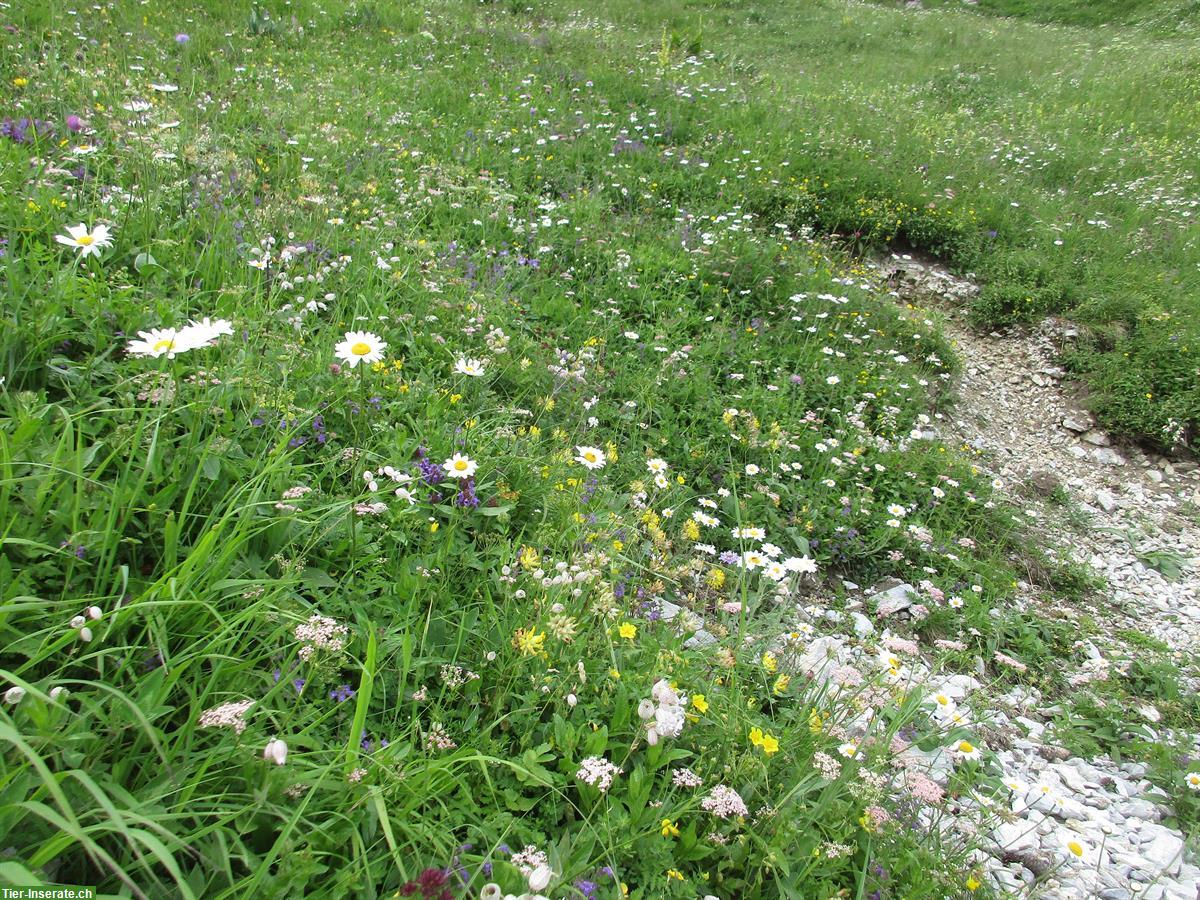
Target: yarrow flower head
{"points": [[598, 772], [228, 715], [320, 633], [724, 802], [88, 241]]}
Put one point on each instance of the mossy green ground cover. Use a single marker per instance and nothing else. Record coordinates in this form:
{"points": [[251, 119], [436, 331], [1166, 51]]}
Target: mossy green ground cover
{"points": [[263, 636]]}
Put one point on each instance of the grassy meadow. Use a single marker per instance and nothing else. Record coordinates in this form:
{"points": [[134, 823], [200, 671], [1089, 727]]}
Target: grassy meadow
{"points": [[444, 449]]}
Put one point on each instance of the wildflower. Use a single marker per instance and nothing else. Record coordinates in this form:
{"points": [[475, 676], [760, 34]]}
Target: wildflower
{"points": [[724, 802], [79, 623], [473, 367], [590, 457], [973, 883], [829, 767], [228, 715], [360, 346], [686, 778], [759, 738], [202, 333], [182, 38], [89, 242], [320, 633], [849, 749], [158, 342], [769, 662], [627, 630], [781, 683], [598, 772], [656, 466], [529, 641], [669, 828], [965, 750], [1074, 845], [539, 878], [801, 564], [1193, 780], [276, 751], [14, 695], [700, 703], [460, 466], [675, 874]]}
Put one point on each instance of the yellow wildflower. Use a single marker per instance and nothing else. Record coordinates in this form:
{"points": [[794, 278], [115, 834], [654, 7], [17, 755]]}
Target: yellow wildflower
{"points": [[700, 703], [529, 641], [669, 828], [627, 630]]}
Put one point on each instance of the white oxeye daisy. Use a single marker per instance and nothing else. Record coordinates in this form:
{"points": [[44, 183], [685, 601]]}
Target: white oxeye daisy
{"points": [[848, 749], [89, 242], [942, 704], [955, 602], [360, 346], [158, 342], [656, 465], [802, 564], [1076, 847], [661, 481], [204, 332], [964, 749], [776, 571], [1193, 780], [896, 511], [460, 466], [752, 559], [590, 457], [472, 367], [752, 469]]}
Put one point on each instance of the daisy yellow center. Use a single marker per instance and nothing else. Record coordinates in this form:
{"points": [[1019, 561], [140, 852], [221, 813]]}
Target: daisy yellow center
{"points": [[362, 348], [590, 456], [1075, 847], [460, 465], [966, 747], [164, 344], [85, 240]]}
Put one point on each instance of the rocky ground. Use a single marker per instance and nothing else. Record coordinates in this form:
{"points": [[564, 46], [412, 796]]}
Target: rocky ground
{"points": [[1134, 519]]}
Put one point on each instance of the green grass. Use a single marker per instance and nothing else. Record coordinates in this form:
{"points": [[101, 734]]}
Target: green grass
{"points": [[1059, 165], [644, 271]]}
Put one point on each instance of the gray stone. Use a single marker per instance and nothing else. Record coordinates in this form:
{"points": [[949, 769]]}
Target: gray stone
{"points": [[1045, 483], [892, 600], [668, 610], [862, 625], [1164, 851], [700, 640], [1077, 422]]}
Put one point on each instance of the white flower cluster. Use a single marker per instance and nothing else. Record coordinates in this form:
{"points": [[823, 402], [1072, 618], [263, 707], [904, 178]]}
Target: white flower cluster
{"points": [[663, 713]]}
